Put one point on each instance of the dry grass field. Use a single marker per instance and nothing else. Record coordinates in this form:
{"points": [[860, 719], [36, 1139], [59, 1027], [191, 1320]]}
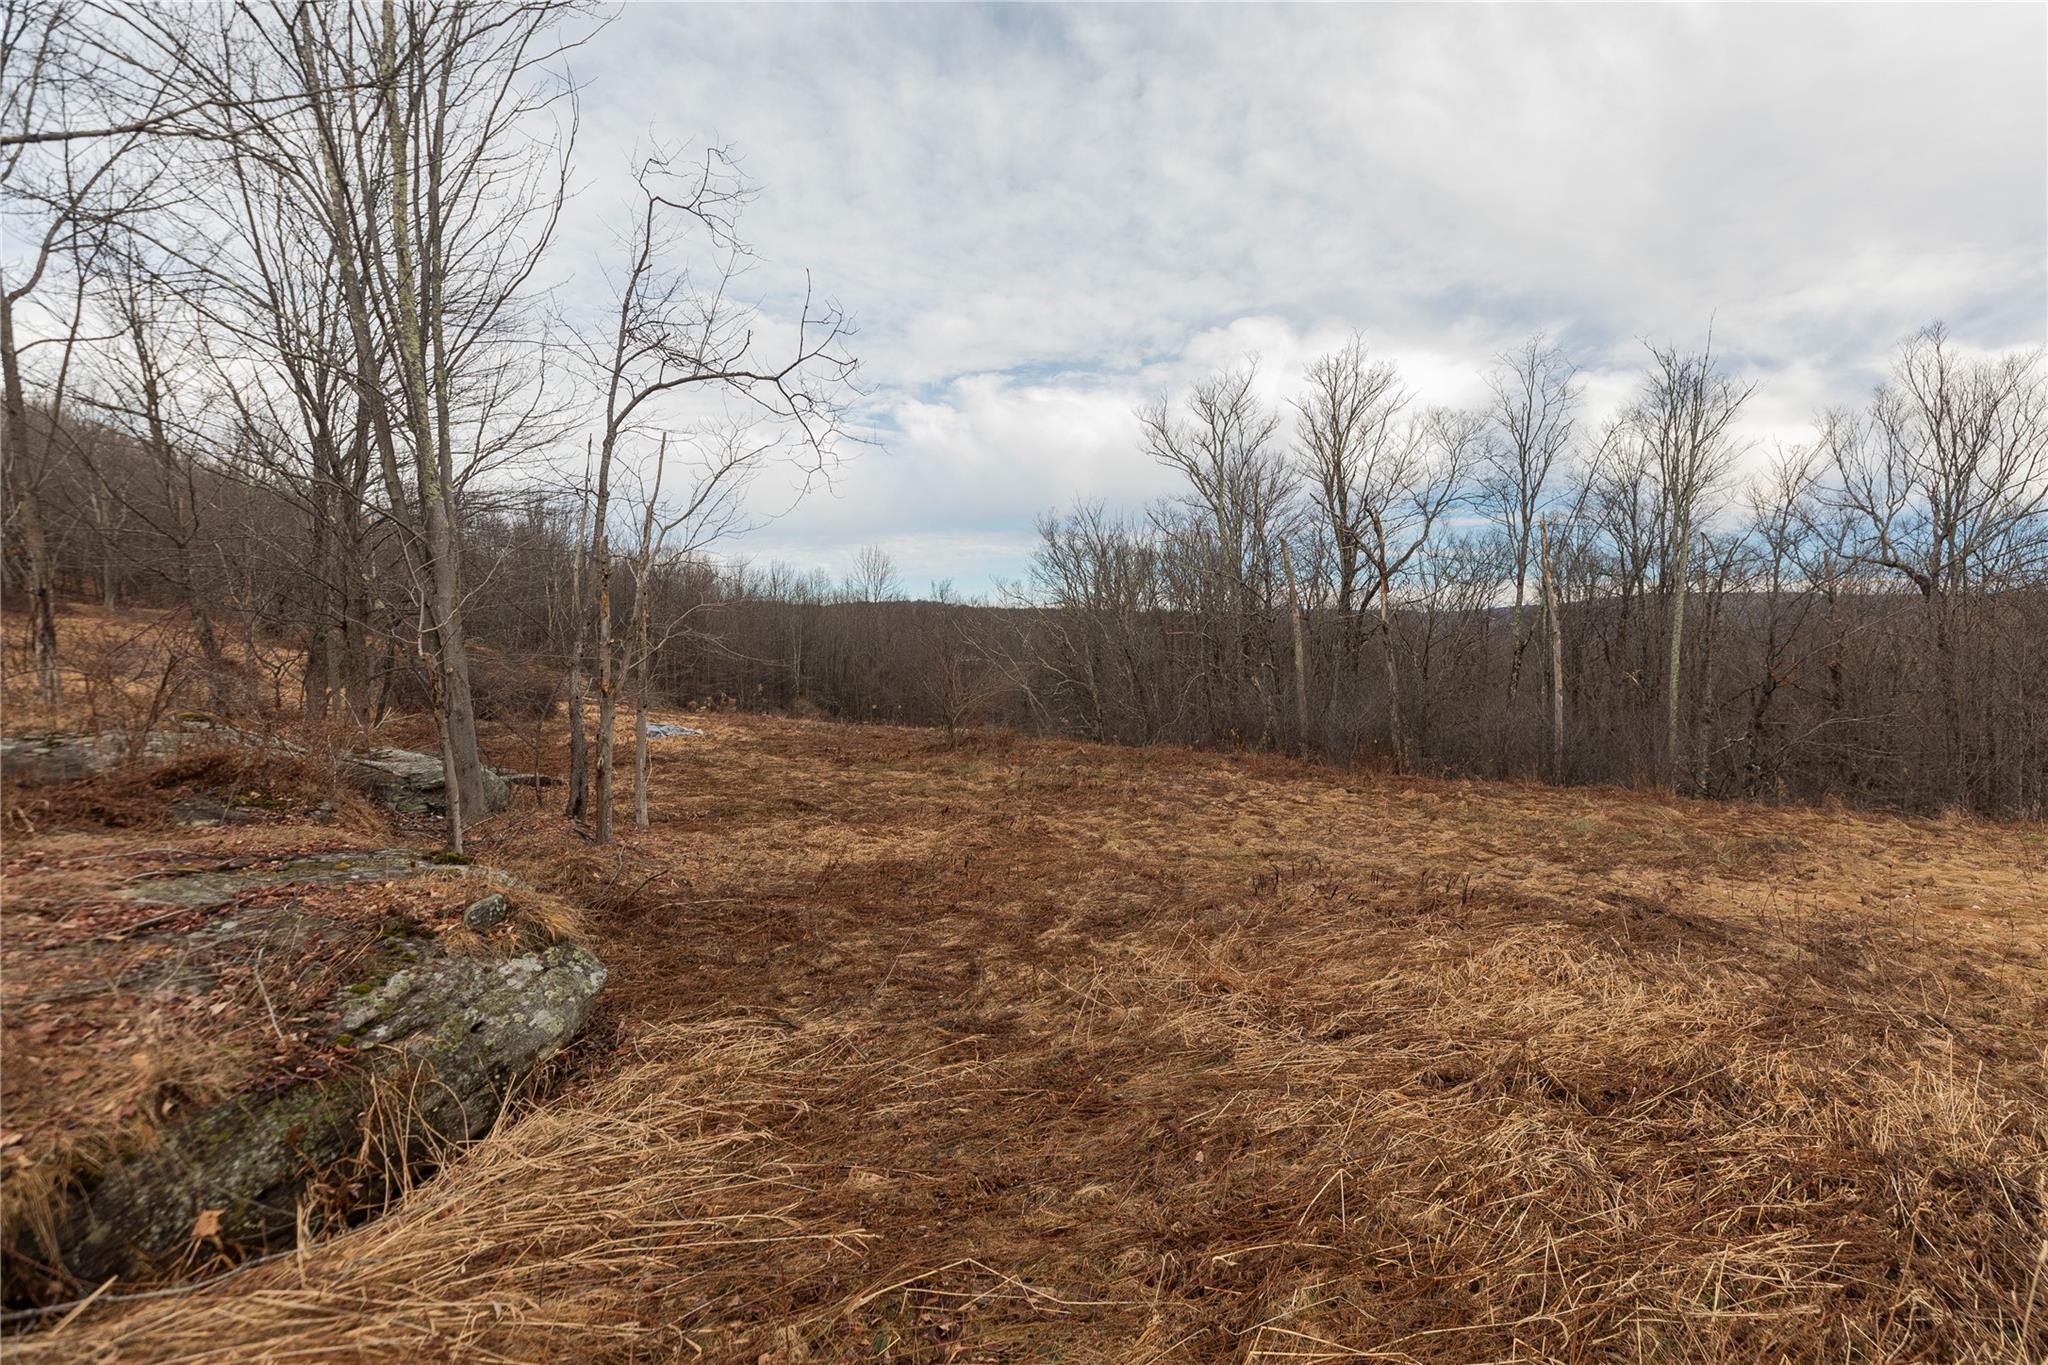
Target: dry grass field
{"points": [[1011, 1050]]}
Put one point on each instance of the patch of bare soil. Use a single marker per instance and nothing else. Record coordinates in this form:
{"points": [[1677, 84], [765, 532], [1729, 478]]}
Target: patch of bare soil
{"points": [[1021, 1051]]}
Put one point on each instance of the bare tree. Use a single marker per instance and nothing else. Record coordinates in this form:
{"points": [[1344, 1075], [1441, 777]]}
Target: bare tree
{"points": [[1686, 418], [673, 535], [139, 302], [1535, 395], [53, 200], [268, 324], [1403, 491], [1782, 504], [668, 336], [399, 143], [1350, 420], [1949, 473], [1239, 488], [303, 421], [873, 576], [1946, 480]]}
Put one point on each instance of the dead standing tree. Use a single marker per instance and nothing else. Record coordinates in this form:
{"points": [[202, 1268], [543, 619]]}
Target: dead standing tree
{"points": [[671, 338]]}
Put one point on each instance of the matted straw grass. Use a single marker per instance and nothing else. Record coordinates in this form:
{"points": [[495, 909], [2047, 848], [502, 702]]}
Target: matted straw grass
{"points": [[1013, 1051]]}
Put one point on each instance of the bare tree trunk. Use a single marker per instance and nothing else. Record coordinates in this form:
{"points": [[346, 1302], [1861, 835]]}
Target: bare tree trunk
{"points": [[465, 760], [328, 642], [432, 459], [452, 791], [1521, 634], [607, 661], [579, 737], [1556, 661], [42, 611], [359, 603], [640, 816], [318, 680], [1300, 646], [607, 690], [27, 501], [1671, 692], [1714, 584], [101, 507], [643, 660], [1394, 731], [1954, 780]]}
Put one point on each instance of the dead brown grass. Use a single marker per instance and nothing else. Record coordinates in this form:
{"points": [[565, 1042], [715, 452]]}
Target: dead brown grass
{"points": [[1032, 1051], [125, 670], [244, 783]]}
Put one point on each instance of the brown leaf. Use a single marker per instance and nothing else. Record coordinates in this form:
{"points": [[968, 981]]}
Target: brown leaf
{"points": [[207, 1225]]}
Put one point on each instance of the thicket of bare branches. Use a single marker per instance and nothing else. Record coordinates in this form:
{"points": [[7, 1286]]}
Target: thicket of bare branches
{"points": [[276, 342]]}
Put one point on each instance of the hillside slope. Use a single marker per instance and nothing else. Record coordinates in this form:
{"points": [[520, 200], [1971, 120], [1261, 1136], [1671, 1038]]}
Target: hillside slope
{"points": [[1021, 1050]]}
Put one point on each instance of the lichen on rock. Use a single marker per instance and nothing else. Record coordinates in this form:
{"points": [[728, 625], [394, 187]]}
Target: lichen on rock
{"points": [[437, 1038], [408, 781], [413, 783]]}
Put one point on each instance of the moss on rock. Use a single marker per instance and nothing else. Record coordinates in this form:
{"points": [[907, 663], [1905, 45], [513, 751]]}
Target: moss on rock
{"points": [[438, 1039]]}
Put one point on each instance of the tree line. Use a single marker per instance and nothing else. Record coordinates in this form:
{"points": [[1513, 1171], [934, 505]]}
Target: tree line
{"points": [[1521, 590], [1517, 590]]}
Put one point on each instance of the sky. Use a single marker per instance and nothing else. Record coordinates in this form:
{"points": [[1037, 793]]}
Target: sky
{"points": [[1042, 216]]}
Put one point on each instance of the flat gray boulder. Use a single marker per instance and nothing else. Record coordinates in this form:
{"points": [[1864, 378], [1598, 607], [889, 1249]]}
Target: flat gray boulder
{"points": [[47, 760], [412, 782], [405, 780]]}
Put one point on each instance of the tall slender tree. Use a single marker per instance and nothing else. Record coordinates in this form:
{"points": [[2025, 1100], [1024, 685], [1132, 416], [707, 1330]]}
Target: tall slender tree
{"points": [[1686, 419]]}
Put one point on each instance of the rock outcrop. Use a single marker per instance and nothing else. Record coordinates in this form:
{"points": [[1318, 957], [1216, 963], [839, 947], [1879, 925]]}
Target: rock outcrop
{"points": [[412, 782], [403, 779], [438, 1038], [50, 759]]}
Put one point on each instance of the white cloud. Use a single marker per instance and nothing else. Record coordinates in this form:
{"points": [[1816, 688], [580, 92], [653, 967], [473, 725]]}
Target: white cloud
{"points": [[1042, 216]]}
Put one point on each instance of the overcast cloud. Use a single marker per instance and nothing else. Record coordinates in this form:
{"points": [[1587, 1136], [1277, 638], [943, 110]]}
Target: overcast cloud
{"points": [[1042, 216]]}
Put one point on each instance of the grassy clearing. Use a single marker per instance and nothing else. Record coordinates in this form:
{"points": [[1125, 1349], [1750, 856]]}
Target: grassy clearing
{"points": [[1018, 1051]]}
